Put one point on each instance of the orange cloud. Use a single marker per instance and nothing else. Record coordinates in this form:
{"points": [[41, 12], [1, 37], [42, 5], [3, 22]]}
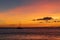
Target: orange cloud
{"points": [[24, 14]]}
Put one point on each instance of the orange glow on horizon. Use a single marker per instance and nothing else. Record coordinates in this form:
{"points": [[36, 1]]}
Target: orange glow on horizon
{"points": [[24, 15]]}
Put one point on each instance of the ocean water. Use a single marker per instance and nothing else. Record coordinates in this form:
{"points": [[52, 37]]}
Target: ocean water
{"points": [[30, 34]]}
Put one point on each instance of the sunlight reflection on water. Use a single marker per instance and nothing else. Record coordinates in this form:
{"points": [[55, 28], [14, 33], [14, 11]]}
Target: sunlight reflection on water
{"points": [[28, 37], [30, 34]]}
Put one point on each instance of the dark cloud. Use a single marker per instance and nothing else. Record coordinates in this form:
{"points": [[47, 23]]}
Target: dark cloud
{"points": [[9, 4], [44, 18]]}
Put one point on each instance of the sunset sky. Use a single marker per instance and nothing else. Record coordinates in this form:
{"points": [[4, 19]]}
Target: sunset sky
{"points": [[24, 11]]}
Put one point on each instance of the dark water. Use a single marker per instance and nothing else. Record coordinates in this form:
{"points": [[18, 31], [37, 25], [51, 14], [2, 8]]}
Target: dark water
{"points": [[30, 34]]}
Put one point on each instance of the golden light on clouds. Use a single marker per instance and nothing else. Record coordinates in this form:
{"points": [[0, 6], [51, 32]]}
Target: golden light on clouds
{"points": [[24, 14]]}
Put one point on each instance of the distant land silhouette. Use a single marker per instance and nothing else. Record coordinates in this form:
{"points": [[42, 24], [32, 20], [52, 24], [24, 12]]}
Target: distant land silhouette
{"points": [[11, 28], [30, 27]]}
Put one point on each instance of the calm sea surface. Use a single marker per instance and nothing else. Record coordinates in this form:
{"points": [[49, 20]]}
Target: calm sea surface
{"points": [[30, 34]]}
